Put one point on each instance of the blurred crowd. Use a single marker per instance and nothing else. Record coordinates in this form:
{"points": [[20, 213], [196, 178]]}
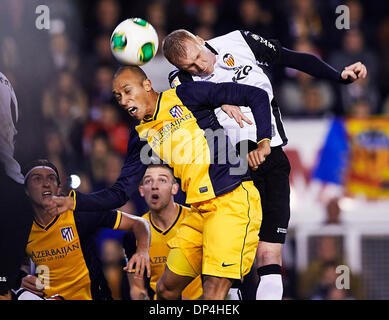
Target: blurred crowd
{"points": [[62, 76]]}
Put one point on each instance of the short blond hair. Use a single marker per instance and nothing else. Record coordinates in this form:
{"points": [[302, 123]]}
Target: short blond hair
{"points": [[173, 45]]}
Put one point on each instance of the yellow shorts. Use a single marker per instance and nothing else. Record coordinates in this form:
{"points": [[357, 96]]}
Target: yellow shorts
{"points": [[220, 236]]}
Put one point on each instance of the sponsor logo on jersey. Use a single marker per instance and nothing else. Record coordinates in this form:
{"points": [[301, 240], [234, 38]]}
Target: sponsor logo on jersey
{"points": [[67, 234], [241, 73], [176, 112], [228, 59], [281, 230], [176, 82]]}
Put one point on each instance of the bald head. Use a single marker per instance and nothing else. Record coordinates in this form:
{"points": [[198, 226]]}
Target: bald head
{"points": [[134, 71]]}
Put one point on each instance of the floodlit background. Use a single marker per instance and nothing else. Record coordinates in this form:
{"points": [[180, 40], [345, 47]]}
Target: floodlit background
{"points": [[338, 135]]}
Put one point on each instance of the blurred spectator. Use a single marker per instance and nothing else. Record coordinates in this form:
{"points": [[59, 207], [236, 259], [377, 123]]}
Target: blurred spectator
{"points": [[113, 260], [354, 50], [156, 15], [360, 109], [326, 288], [107, 16], [305, 21], [63, 54], [358, 21], [100, 89], [113, 166], [110, 123], [383, 45], [333, 212], [96, 159], [96, 60], [301, 94], [57, 154], [205, 32], [255, 18], [73, 100], [316, 281]]}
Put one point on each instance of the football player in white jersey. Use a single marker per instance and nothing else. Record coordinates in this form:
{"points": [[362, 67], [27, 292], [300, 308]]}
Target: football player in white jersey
{"points": [[15, 209], [239, 56]]}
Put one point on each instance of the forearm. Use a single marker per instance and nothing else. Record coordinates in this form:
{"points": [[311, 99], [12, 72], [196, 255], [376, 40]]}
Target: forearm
{"points": [[141, 230], [106, 199], [309, 64]]}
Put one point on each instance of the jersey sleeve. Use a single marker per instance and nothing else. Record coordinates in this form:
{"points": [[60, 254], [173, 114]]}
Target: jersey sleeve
{"points": [[265, 51], [89, 222], [128, 181], [272, 52], [176, 77], [200, 95]]}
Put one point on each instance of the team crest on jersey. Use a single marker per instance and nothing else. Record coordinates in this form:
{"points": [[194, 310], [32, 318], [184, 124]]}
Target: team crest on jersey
{"points": [[176, 112], [67, 234], [228, 59]]}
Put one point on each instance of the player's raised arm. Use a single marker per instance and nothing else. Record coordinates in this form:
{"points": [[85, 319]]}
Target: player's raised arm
{"points": [[201, 95], [114, 196], [139, 262], [272, 52]]}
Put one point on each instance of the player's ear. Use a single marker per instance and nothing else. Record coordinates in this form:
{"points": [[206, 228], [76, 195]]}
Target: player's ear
{"points": [[175, 188], [201, 40], [147, 85], [140, 188]]}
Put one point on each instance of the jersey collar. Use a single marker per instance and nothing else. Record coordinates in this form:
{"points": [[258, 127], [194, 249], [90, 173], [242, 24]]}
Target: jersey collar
{"points": [[211, 48]]}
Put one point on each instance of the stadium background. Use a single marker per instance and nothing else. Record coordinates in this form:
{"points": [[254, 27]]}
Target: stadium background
{"points": [[62, 80]]}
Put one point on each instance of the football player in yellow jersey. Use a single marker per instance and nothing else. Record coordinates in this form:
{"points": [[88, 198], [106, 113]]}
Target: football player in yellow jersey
{"points": [[63, 247], [219, 238], [158, 188]]}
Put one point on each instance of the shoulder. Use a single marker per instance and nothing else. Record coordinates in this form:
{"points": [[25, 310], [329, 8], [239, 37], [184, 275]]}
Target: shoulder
{"points": [[184, 210], [233, 35], [146, 216]]}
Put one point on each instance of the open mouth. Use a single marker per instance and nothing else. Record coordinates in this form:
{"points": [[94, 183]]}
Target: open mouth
{"points": [[132, 110], [46, 194], [154, 197]]}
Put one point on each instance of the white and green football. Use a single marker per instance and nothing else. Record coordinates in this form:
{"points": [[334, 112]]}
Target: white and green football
{"points": [[134, 42]]}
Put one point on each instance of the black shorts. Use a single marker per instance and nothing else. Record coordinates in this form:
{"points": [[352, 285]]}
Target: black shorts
{"points": [[272, 181], [15, 225]]}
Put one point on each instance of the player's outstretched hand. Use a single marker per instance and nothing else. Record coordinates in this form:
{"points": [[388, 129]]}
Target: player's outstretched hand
{"points": [[33, 284], [258, 156], [355, 71], [61, 205], [139, 262], [234, 112]]}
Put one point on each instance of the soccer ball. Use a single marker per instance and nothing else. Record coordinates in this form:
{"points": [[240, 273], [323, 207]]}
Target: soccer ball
{"points": [[134, 42]]}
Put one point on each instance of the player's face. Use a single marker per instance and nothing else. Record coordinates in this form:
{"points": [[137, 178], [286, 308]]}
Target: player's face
{"points": [[132, 95], [199, 60], [42, 185], [158, 188]]}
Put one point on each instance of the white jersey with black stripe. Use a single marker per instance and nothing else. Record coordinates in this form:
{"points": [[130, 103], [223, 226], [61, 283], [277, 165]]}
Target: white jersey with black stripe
{"points": [[235, 61], [8, 118]]}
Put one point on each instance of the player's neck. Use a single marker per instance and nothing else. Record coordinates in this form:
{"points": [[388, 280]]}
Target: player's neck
{"points": [[41, 216], [152, 104], [165, 217]]}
